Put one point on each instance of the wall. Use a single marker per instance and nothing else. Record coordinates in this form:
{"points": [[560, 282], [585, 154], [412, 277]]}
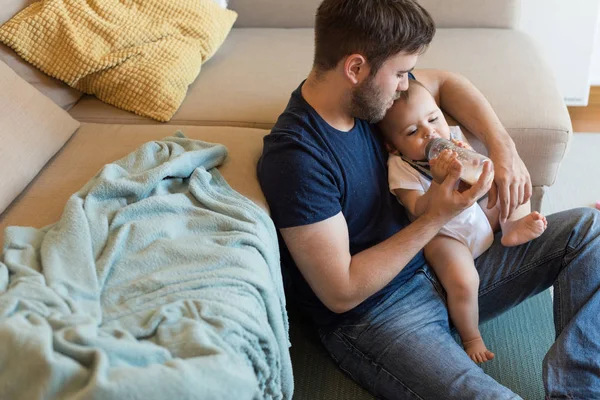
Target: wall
{"points": [[565, 32], [596, 56]]}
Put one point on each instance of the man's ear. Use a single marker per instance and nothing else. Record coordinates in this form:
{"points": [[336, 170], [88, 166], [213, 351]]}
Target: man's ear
{"points": [[356, 68]]}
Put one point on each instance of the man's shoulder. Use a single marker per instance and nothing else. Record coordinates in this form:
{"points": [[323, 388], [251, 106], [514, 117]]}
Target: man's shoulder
{"points": [[293, 122], [295, 138], [290, 130], [296, 126]]}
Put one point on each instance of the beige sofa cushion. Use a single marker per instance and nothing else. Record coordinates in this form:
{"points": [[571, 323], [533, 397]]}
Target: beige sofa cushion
{"points": [[502, 63], [95, 145], [59, 92], [32, 130], [447, 14]]}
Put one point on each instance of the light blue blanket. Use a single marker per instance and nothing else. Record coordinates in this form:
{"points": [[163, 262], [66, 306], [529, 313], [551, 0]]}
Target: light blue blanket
{"points": [[158, 282]]}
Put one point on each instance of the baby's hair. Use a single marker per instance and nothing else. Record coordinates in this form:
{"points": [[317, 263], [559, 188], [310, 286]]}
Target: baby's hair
{"points": [[405, 95]]}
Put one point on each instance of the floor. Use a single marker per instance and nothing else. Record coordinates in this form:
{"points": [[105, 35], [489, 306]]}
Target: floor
{"points": [[574, 188], [587, 119]]}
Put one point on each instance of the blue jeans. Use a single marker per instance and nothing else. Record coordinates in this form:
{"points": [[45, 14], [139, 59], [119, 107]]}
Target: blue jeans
{"points": [[403, 347]]}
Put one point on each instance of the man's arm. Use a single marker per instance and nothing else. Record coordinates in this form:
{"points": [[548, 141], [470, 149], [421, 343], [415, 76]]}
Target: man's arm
{"points": [[342, 281], [461, 99]]}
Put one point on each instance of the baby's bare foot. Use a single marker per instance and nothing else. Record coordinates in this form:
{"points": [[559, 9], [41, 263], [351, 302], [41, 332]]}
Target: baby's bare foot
{"points": [[477, 351], [523, 230]]}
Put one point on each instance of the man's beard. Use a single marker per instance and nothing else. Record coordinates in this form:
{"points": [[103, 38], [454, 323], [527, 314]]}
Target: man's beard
{"points": [[368, 102]]}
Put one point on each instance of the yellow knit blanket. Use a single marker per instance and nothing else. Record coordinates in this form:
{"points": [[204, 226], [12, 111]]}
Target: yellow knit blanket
{"points": [[138, 55]]}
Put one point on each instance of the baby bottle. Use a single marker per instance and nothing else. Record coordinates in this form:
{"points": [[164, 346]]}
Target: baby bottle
{"points": [[472, 162]]}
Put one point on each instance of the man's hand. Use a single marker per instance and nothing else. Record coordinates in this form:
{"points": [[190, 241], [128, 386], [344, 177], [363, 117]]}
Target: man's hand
{"points": [[512, 183], [447, 201]]}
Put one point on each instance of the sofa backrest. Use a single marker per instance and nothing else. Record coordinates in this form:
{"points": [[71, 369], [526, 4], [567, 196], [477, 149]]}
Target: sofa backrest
{"points": [[446, 13]]}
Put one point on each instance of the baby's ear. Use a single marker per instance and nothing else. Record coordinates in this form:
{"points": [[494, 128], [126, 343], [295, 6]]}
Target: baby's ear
{"points": [[391, 149]]}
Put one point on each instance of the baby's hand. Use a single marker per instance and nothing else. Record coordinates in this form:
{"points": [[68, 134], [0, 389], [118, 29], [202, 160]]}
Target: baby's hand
{"points": [[462, 144], [440, 166]]}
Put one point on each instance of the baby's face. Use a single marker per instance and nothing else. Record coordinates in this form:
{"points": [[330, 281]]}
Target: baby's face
{"points": [[412, 123]]}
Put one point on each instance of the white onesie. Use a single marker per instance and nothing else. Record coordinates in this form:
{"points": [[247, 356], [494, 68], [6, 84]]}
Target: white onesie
{"points": [[470, 227]]}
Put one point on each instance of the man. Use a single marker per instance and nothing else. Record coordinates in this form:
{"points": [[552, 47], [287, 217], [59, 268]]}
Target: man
{"points": [[353, 261]]}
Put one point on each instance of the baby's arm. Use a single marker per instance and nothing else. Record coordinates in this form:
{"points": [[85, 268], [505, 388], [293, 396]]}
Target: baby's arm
{"points": [[415, 201]]}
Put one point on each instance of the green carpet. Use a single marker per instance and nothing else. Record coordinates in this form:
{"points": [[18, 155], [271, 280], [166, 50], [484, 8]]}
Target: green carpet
{"points": [[519, 338]]}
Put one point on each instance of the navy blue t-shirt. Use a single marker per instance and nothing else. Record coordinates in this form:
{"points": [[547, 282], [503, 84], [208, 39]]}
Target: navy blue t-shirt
{"points": [[310, 171]]}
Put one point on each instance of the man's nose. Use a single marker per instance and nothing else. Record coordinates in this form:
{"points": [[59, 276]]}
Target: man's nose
{"points": [[402, 85]]}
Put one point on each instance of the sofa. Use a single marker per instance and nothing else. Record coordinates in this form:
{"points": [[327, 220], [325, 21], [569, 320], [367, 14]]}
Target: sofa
{"points": [[238, 96]]}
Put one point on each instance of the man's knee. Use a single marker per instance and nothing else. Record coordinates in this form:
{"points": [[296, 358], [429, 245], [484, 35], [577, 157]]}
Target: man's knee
{"points": [[579, 226], [587, 220]]}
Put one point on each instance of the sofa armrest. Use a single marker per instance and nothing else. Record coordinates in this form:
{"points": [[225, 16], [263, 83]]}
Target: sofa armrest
{"points": [[447, 14]]}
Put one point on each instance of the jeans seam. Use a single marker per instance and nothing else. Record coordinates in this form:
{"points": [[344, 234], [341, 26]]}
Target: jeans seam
{"points": [[355, 350], [558, 322], [436, 285], [558, 317], [521, 271]]}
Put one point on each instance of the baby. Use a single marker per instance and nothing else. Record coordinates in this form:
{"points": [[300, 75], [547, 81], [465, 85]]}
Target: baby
{"points": [[409, 125]]}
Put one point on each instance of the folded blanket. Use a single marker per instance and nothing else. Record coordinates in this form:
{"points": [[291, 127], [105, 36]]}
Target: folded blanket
{"points": [[158, 282]]}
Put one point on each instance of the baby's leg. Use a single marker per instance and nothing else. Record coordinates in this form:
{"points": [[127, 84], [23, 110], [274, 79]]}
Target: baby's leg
{"points": [[492, 214], [522, 226], [453, 263]]}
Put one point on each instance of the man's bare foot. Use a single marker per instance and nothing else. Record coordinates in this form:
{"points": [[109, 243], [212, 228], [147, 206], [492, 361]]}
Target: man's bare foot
{"points": [[477, 351], [523, 230]]}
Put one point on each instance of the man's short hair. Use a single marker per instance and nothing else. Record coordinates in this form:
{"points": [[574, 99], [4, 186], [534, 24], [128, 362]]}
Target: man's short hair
{"points": [[377, 29]]}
